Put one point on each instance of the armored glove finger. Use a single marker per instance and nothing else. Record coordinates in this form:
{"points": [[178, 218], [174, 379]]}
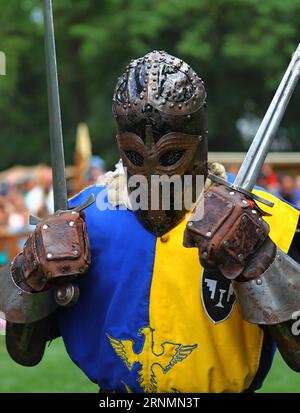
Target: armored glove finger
{"points": [[229, 233], [58, 247]]}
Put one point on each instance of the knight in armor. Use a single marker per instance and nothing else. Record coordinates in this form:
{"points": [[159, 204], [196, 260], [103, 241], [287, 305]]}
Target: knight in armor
{"points": [[166, 304]]}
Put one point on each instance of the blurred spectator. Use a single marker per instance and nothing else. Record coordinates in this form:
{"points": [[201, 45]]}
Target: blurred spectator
{"points": [[34, 196], [287, 189], [232, 169], [96, 170], [297, 190], [270, 177], [28, 191], [262, 181], [285, 186], [3, 218], [18, 213]]}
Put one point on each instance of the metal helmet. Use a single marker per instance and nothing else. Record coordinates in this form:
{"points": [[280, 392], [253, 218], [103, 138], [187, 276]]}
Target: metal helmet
{"points": [[160, 108]]}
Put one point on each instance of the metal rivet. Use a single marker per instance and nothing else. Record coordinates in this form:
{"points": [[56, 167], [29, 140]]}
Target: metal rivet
{"points": [[75, 252], [81, 269], [164, 238], [204, 254], [180, 106], [172, 105], [209, 194], [19, 292], [259, 281], [49, 255], [230, 205], [241, 257], [254, 212], [244, 218], [245, 202], [71, 223], [231, 193], [208, 234], [73, 212], [45, 226], [226, 243], [189, 224], [189, 116]]}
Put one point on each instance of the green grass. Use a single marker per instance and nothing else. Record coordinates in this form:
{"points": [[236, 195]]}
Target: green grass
{"points": [[57, 373]]}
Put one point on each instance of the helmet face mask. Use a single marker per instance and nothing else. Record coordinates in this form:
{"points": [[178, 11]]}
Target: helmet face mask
{"points": [[160, 110]]}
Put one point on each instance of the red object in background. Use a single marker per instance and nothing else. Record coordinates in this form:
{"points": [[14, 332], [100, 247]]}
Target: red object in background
{"points": [[272, 179]]}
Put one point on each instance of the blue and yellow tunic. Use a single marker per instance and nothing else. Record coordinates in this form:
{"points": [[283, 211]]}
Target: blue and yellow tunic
{"points": [[149, 319]]}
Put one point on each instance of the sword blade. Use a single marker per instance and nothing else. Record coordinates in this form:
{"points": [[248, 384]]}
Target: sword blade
{"points": [[55, 128], [265, 134]]}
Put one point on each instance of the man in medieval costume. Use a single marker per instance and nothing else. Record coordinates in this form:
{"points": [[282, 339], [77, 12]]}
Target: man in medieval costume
{"points": [[167, 303]]}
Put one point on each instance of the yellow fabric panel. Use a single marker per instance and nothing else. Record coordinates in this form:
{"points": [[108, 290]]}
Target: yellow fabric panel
{"points": [[283, 221], [225, 356]]}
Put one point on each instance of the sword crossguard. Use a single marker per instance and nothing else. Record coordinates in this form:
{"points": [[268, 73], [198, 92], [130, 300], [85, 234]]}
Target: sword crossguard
{"points": [[33, 220], [243, 191]]}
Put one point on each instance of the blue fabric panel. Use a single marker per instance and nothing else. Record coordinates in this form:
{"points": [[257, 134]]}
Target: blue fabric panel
{"points": [[114, 294]]}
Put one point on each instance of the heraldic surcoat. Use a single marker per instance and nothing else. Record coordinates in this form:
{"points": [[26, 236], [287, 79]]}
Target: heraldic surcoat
{"points": [[149, 319]]}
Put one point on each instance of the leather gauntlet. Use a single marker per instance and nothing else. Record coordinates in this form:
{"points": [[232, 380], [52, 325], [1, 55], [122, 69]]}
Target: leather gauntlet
{"points": [[58, 247], [230, 233]]}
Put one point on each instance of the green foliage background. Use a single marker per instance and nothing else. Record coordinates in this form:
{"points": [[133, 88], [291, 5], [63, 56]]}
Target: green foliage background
{"points": [[240, 47]]}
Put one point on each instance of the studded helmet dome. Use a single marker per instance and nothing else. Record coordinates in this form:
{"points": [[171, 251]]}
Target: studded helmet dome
{"points": [[165, 82], [160, 108]]}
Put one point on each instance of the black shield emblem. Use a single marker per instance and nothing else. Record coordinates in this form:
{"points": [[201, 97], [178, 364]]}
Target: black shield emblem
{"points": [[217, 295]]}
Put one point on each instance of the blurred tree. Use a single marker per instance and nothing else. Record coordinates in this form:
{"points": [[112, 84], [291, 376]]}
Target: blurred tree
{"points": [[240, 47]]}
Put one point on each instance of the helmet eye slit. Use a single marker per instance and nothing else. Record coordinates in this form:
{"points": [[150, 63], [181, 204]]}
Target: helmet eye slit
{"points": [[171, 157], [134, 157]]}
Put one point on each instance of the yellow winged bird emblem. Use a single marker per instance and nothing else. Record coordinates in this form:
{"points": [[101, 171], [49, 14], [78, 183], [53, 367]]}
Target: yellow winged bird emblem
{"points": [[171, 354]]}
